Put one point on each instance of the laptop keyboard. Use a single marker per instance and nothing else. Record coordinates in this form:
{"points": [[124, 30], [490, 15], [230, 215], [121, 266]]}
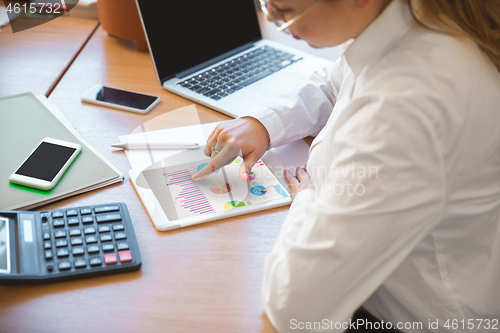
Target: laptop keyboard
{"points": [[240, 72]]}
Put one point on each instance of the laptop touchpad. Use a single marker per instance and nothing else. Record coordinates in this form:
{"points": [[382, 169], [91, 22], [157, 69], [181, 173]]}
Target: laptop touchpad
{"points": [[278, 83]]}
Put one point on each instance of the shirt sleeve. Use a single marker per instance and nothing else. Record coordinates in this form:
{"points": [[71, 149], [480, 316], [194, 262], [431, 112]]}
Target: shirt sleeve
{"points": [[303, 111], [380, 190]]}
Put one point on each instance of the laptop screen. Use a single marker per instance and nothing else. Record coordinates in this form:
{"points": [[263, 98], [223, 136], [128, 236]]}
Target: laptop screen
{"points": [[183, 34]]}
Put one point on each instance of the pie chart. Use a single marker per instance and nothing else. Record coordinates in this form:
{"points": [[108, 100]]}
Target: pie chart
{"points": [[220, 188], [277, 189], [202, 165], [237, 161], [251, 176], [233, 204], [258, 190]]}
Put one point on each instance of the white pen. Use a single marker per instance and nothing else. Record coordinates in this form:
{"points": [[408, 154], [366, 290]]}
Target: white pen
{"points": [[157, 145]]}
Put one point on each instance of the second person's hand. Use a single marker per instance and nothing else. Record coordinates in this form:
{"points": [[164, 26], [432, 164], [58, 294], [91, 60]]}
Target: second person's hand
{"points": [[245, 136]]}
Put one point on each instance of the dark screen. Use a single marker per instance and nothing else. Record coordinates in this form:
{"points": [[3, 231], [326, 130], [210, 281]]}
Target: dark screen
{"points": [[46, 161], [125, 98], [183, 34]]}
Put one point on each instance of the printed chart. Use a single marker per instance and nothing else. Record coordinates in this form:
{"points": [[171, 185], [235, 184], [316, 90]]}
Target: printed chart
{"points": [[258, 190], [202, 165], [181, 197], [233, 204], [189, 195], [220, 188]]}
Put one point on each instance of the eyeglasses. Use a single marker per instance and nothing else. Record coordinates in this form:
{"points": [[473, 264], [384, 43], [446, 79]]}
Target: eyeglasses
{"points": [[273, 14]]}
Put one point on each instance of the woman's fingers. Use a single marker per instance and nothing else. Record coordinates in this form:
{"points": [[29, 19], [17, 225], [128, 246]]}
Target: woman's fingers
{"points": [[302, 174], [226, 155], [247, 132], [290, 179], [247, 165], [212, 140]]}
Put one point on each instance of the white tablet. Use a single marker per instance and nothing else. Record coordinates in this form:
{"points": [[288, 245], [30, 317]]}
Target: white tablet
{"points": [[174, 200]]}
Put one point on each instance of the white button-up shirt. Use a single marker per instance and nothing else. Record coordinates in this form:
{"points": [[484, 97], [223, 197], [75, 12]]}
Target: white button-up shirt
{"points": [[405, 217]]}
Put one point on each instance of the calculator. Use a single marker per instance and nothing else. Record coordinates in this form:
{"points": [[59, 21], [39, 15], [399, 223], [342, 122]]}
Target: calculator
{"points": [[66, 244]]}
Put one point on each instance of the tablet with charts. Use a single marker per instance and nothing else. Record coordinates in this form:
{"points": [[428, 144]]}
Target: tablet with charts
{"points": [[176, 200]]}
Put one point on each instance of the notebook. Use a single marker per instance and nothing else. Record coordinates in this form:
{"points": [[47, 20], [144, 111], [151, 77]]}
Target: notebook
{"points": [[213, 53], [26, 120]]}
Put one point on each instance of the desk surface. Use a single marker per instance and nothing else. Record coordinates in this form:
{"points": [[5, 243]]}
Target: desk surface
{"points": [[32, 60], [201, 278]]}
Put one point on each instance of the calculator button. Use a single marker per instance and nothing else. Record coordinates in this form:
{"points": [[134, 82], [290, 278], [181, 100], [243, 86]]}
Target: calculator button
{"points": [[95, 261], [71, 212], [125, 256], [62, 253], [45, 217], [93, 248], [48, 254], [47, 245], [118, 227], [60, 234], [120, 235], [108, 247], [76, 241], [75, 232], [85, 211], [46, 235], [72, 221], [61, 243], [106, 238], [105, 209], [108, 217], [57, 214], [122, 246], [104, 228], [57, 223], [64, 265], [110, 259], [87, 219], [77, 251], [80, 263], [89, 230], [91, 239]]}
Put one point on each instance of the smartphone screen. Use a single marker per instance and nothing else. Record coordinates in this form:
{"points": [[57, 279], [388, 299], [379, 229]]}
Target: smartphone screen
{"points": [[125, 98], [46, 161]]}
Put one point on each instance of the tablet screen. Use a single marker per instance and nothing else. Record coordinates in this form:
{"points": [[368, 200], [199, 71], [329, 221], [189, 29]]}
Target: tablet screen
{"points": [[181, 197]]}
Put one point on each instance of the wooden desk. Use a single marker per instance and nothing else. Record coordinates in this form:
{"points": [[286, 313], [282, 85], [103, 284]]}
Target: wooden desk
{"points": [[34, 59]]}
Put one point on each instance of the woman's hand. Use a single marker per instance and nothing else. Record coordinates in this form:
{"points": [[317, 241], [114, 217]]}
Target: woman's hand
{"points": [[302, 182], [245, 136]]}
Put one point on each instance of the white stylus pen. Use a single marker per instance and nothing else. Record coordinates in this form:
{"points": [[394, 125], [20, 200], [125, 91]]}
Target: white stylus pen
{"points": [[157, 145]]}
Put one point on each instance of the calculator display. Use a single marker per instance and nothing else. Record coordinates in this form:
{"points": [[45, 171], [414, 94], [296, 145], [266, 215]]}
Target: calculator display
{"points": [[4, 247]]}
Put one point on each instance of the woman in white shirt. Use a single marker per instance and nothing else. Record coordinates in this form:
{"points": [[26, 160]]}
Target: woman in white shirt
{"points": [[398, 209]]}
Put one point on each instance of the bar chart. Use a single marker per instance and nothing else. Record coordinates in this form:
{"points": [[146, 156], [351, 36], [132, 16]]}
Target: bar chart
{"points": [[190, 196]]}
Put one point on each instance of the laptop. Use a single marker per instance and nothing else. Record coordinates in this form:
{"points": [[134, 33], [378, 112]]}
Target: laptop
{"points": [[213, 53]]}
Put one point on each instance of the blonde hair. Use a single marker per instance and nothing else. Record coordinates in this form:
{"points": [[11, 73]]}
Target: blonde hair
{"points": [[477, 19]]}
